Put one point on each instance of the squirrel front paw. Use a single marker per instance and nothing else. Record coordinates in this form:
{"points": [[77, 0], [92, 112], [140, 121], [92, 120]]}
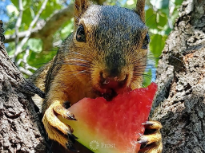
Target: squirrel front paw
{"points": [[152, 139], [56, 129]]}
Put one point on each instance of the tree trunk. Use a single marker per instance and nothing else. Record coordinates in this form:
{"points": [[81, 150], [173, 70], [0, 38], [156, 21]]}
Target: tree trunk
{"points": [[180, 101], [19, 122]]}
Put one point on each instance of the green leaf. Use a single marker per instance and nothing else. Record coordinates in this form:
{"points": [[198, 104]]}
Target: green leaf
{"points": [[15, 2], [35, 45], [51, 7], [147, 78], [27, 18], [155, 20], [157, 44], [178, 2], [11, 52], [67, 29], [39, 59], [9, 31]]}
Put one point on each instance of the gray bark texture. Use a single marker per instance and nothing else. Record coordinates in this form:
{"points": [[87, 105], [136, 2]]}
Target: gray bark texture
{"points": [[19, 122], [180, 101]]}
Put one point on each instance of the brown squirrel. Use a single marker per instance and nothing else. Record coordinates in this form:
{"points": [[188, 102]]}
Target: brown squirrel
{"points": [[104, 56]]}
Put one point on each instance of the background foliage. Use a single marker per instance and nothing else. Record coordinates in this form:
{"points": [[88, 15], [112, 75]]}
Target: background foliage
{"points": [[160, 17]]}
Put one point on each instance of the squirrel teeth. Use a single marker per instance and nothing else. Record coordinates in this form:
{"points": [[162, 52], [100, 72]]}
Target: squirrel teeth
{"points": [[106, 82]]}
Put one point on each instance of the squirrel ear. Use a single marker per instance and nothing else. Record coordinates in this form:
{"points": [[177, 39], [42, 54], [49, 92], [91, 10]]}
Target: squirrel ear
{"points": [[140, 9], [80, 7]]}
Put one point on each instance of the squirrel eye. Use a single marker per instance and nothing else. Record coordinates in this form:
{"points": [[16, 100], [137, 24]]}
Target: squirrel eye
{"points": [[80, 34], [146, 41]]}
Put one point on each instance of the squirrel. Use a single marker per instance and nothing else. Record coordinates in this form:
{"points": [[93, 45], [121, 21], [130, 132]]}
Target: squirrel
{"points": [[104, 56]]}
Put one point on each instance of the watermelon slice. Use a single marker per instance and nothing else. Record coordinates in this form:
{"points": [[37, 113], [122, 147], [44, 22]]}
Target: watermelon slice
{"points": [[112, 126]]}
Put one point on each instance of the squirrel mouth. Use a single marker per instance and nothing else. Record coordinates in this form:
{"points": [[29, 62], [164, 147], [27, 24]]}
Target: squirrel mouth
{"points": [[111, 87], [109, 96]]}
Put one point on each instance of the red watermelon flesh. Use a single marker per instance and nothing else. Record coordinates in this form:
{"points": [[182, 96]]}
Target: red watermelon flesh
{"points": [[112, 126]]}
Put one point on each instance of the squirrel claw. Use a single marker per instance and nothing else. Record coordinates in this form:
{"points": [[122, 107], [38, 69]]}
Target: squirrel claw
{"points": [[62, 111], [71, 147], [71, 117], [148, 123], [152, 125], [72, 138], [152, 139], [142, 141]]}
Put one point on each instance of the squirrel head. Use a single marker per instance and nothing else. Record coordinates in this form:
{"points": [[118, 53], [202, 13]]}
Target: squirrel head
{"points": [[112, 42]]}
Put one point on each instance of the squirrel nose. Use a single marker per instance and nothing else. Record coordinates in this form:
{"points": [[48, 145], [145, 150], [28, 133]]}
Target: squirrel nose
{"points": [[112, 81]]}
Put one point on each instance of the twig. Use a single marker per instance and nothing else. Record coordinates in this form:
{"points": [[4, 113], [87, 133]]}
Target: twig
{"points": [[25, 62], [27, 66], [25, 39], [27, 72], [34, 34], [18, 23]]}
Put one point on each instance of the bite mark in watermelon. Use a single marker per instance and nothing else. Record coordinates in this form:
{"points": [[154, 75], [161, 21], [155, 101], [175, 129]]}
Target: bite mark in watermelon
{"points": [[112, 126]]}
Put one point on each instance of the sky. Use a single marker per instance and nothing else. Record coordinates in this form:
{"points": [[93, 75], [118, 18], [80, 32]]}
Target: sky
{"points": [[3, 4]]}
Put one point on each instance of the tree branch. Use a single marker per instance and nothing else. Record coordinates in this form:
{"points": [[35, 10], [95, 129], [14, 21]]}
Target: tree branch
{"points": [[25, 39], [18, 23], [46, 31]]}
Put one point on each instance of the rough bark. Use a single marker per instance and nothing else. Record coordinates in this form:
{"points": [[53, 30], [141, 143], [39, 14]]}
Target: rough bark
{"points": [[19, 122], [180, 102]]}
